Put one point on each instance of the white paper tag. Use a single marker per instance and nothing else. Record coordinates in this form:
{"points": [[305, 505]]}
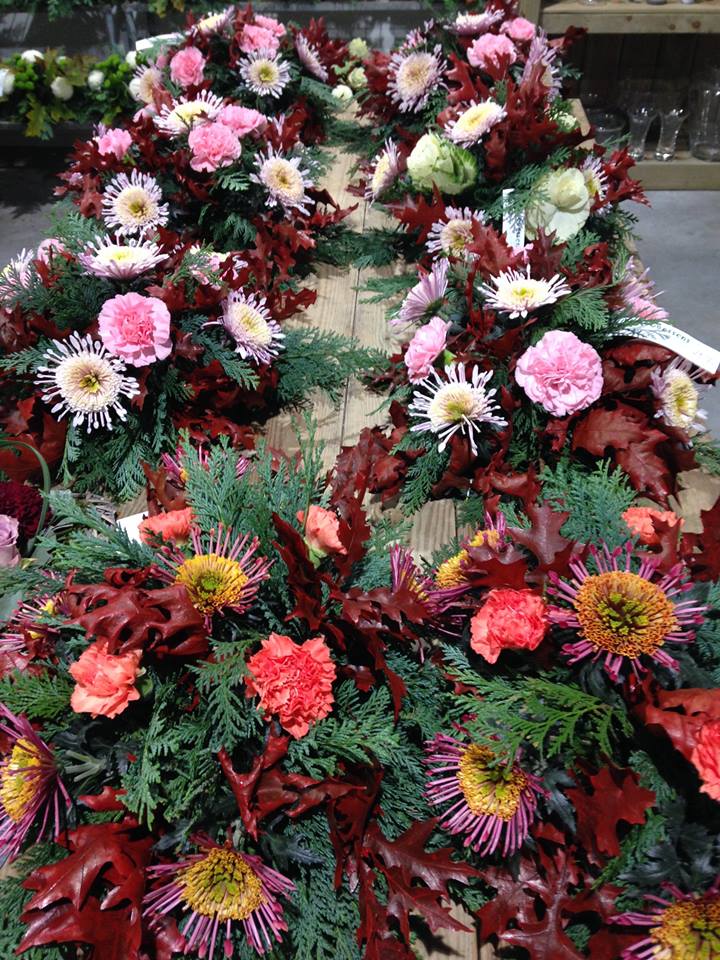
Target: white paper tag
{"points": [[675, 339], [513, 224], [131, 525]]}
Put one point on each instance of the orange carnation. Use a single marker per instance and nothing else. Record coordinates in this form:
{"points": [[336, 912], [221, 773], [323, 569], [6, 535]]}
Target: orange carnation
{"points": [[105, 681], [640, 521], [293, 680], [706, 757], [173, 525], [321, 532], [509, 619]]}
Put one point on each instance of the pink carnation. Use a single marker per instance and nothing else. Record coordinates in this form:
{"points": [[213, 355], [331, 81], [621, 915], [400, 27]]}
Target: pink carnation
{"points": [[492, 51], [135, 328], [114, 143], [187, 67], [424, 348], [254, 38], [9, 533], [242, 120], [269, 23], [561, 373], [519, 29], [213, 145]]}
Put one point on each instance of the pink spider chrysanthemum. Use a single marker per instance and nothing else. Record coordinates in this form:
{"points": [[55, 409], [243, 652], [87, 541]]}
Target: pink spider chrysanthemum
{"points": [[451, 236], [265, 74], [216, 890], [684, 926], [181, 116], [385, 170], [425, 297], [474, 122], [624, 616], [309, 58], [221, 574], [541, 52], [118, 260], [451, 573], [406, 575], [248, 321], [212, 23], [595, 177], [676, 391], [146, 81], [285, 181], [517, 293], [29, 627], [32, 795], [178, 474], [446, 405], [16, 276], [639, 296], [491, 805], [473, 24], [414, 76], [133, 205]]}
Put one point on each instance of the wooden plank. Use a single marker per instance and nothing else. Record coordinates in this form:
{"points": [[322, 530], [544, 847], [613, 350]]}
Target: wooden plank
{"points": [[452, 944], [685, 172], [624, 16]]}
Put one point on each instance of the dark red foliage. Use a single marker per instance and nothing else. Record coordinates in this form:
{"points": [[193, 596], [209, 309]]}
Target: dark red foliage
{"points": [[23, 502], [30, 421], [679, 714], [605, 800]]}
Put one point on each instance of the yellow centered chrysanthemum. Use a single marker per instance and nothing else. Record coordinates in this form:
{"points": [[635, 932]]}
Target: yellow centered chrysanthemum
{"points": [[689, 930], [489, 790], [453, 403], [17, 783], [189, 112], [414, 74], [450, 573], [381, 172], [455, 237], [135, 207], [248, 322], [284, 179], [211, 22], [680, 399], [212, 581], [624, 613], [120, 255], [265, 73], [88, 382], [475, 120], [221, 885]]}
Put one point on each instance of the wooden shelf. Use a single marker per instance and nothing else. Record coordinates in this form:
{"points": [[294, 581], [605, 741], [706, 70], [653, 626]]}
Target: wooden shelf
{"points": [[624, 16], [685, 172]]}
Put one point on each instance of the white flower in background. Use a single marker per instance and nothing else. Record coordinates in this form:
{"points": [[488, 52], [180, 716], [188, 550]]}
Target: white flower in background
{"points": [[474, 122], [61, 88], [246, 318], [106, 257], [83, 380], [358, 48], [131, 58], [357, 78], [414, 76], [595, 178], [265, 74], [451, 236], [213, 22], [342, 93], [310, 58], [144, 82], [385, 171], [7, 82], [451, 403], [16, 276], [182, 115], [566, 120], [518, 294], [32, 56], [133, 204], [473, 24], [675, 389], [561, 204], [285, 181], [95, 79]]}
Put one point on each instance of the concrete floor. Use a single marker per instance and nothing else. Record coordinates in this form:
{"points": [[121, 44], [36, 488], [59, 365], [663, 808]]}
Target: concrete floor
{"points": [[679, 240]]}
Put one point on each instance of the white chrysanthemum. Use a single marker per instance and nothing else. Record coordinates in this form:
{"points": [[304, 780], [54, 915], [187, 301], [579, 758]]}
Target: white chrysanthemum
{"points": [[132, 205], [182, 115], [82, 379], [246, 318], [285, 181], [595, 177], [518, 294], [414, 76], [213, 22], [144, 83], [474, 122], [386, 167], [16, 275], [676, 391], [473, 24], [446, 405], [265, 74], [309, 58], [451, 236], [107, 257]]}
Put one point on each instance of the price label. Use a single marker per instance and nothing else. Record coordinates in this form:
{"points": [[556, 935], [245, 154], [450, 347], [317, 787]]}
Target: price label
{"points": [[513, 223]]}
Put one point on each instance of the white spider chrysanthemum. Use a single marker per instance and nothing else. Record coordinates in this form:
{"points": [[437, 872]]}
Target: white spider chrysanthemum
{"points": [[517, 293], [246, 318], [474, 122], [83, 380], [265, 74], [595, 177], [108, 257], [446, 405], [309, 58], [676, 390], [132, 205], [451, 236], [285, 181], [16, 275], [182, 115], [414, 76], [145, 81], [386, 167], [472, 24], [212, 22]]}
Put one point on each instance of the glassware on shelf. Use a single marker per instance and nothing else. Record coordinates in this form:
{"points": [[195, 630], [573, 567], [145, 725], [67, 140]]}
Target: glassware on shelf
{"points": [[671, 104], [639, 101], [608, 124], [705, 120]]}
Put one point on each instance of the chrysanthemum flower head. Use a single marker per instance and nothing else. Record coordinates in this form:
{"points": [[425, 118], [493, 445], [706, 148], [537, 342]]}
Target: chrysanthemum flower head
{"points": [[213, 22], [451, 573], [639, 296], [222, 573], [265, 73], [595, 177], [146, 80], [676, 391], [215, 890], [118, 260], [32, 794], [426, 297], [517, 293], [451, 236], [450, 404], [83, 380], [30, 630], [491, 805], [624, 616], [133, 205], [386, 167], [474, 122], [309, 57], [182, 115], [285, 181], [680, 926], [248, 321], [406, 575], [414, 76], [16, 276], [473, 24]]}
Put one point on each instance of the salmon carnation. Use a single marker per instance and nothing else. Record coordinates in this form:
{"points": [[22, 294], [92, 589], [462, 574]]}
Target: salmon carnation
{"points": [[293, 681], [508, 620], [706, 757], [641, 522], [105, 682], [174, 525], [321, 532]]}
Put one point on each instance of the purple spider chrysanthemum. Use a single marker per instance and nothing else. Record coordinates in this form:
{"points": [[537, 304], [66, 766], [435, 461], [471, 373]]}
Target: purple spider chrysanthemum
{"points": [[425, 297], [676, 391], [681, 927], [451, 236], [285, 180], [246, 318], [385, 170], [117, 260], [309, 58], [474, 122], [414, 76], [179, 117], [133, 205], [473, 24], [517, 293], [265, 74]]}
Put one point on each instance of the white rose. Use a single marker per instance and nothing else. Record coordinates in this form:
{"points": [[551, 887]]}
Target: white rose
{"points": [[32, 56], [131, 58], [62, 88], [95, 79], [342, 93], [562, 205], [357, 78], [7, 82], [358, 48], [134, 88]]}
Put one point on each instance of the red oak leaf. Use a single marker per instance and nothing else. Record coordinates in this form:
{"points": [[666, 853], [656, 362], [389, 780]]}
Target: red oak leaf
{"points": [[613, 796]]}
